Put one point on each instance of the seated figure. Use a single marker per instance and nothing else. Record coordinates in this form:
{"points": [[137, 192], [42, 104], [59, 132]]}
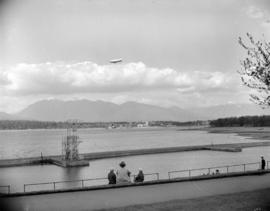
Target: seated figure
{"points": [[139, 177], [122, 174], [112, 177]]}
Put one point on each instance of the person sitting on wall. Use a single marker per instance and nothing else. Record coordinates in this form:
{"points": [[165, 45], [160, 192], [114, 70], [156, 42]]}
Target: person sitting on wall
{"points": [[217, 171], [140, 176], [262, 163], [122, 174], [112, 177]]}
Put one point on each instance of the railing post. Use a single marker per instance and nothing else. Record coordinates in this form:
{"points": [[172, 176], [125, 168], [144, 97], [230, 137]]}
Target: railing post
{"points": [[245, 168], [9, 189]]}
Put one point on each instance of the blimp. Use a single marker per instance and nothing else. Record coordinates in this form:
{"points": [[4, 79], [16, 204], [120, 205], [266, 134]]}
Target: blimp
{"points": [[114, 61]]}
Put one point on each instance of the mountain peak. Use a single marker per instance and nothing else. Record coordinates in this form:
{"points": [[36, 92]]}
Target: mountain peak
{"points": [[102, 111], [93, 111]]}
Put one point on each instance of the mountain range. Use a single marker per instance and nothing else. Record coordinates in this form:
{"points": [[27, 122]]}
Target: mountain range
{"points": [[101, 111]]}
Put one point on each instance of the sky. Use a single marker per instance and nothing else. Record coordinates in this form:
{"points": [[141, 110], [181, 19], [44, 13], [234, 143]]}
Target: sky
{"points": [[181, 53]]}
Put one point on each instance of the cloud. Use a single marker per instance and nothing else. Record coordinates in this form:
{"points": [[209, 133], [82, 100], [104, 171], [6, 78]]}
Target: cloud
{"points": [[266, 24], [255, 12], [3, 79], [89, 77]]}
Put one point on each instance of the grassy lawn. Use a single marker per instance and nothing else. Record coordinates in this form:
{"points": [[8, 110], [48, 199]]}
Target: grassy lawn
{"points": [[247, 201], [260, 133]]}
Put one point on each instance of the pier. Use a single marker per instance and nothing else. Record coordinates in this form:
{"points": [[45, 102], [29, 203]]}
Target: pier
{"points": [[234, 147], [183, 175], [120, 195]]}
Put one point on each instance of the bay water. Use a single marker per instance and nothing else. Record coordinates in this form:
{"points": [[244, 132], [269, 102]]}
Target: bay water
{"points": [[28, 143]]}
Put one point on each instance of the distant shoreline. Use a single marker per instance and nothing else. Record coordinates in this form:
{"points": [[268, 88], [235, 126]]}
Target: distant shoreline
{"points": [[33, 124], [257, 133]]}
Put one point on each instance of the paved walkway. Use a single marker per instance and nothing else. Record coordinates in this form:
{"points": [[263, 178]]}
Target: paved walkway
{"points": [[100, 199]]}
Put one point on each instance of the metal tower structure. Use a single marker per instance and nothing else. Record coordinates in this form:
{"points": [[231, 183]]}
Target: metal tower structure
{"points": [[71, 142]]}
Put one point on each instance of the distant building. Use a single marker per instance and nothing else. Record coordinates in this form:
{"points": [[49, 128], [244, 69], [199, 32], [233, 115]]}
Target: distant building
{"points": [[140, 125], [143, 124]]}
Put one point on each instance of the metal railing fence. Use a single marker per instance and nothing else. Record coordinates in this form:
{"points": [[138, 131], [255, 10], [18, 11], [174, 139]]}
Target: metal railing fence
{"points": [[82, 183], [5, 189], [221, 169], [78, 183]]}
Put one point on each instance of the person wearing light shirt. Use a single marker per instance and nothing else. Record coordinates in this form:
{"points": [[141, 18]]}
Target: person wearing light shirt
{"points": [[123, 174]]}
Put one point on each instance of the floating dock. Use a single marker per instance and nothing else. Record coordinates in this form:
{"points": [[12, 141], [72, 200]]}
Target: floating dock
{"points": [[86, 157], [67, 163]]}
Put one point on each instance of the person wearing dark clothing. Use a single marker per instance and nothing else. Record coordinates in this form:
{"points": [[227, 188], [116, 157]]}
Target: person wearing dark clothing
{"points": [[262, 163], [139, 177], [112, 177]]}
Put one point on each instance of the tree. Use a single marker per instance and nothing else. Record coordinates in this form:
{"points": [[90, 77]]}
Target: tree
{"points": [[255, 71]]}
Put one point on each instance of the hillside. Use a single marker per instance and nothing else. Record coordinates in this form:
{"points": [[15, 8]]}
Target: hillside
{"points": [[94, 111], [101, 111]]}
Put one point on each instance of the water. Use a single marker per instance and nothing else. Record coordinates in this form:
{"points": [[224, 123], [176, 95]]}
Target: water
{"points": [[161, 163], [29, 143], [32, 142]]}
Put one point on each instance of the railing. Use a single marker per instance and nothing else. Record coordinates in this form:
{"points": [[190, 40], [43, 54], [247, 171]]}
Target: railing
{"points": [[59, 185], [55, 185], [6, 187], [146, 176], [78, 183], [221, 169]]}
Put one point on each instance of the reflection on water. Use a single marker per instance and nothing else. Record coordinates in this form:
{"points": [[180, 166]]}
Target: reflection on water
{"points": [[71, 174], [161, 163], [32, 142], [29, 143]]}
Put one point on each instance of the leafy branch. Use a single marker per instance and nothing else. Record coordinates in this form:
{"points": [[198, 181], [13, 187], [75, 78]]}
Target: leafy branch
{"points": [[255, 71]]}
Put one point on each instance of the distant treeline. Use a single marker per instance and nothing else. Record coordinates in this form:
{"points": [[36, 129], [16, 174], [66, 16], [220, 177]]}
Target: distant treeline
{"points": [[28, 124], [251, 121], [25, 124], [175, 123]]}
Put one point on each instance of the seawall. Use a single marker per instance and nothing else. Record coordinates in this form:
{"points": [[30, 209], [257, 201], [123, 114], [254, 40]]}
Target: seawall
{"points": [[235, 147], [146, 183]]}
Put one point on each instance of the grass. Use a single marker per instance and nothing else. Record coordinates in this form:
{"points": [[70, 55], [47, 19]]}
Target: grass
{"points": [[259, 133], [258, 200]]}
